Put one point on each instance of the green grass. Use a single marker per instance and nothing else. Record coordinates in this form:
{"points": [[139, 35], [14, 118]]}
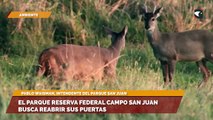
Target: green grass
{"points": [[138, 74], [136, 70]]}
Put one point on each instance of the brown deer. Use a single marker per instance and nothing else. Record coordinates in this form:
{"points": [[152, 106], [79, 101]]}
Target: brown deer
{"points": [[67, 61], [168, 48]]}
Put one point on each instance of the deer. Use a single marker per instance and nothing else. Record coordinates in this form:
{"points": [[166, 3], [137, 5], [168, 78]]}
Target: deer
{"points": [[170, 48], [68, 61]]}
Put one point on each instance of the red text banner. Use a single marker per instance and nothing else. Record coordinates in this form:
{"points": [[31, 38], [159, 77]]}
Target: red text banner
{"points": [[95, 104]]}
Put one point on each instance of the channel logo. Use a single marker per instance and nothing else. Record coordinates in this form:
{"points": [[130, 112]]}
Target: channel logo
{"points": [[198, 13]]}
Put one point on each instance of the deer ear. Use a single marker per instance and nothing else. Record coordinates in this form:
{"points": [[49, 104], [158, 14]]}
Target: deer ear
{"points": [[157, 12], [108, 31], [143, 11], [125, 29]]}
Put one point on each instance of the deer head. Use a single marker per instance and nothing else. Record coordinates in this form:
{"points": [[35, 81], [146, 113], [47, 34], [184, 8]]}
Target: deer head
{"points": [[117, 39], [150, 18]]}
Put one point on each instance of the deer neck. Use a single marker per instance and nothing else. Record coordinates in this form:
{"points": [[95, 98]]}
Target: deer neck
{"points": [[116, 48], [154, 35]]}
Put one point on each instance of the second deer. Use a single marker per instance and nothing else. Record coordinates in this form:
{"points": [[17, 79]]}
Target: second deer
{"points": [[168, 48], [66, 61]]}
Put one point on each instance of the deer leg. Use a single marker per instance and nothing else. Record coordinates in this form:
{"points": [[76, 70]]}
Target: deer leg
{"points": [[204, 71], [55, 73], [208, 71], [171, 67], [171, 70], [110, 72], [164, 67], [86, 84], [40, 70]]}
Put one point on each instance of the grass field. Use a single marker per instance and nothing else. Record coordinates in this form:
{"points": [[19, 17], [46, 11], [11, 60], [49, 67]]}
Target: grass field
{"points": [[80, 22]]}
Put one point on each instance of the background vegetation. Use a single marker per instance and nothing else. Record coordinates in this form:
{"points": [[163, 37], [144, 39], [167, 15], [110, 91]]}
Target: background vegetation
{"points": [[80, 22]]}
